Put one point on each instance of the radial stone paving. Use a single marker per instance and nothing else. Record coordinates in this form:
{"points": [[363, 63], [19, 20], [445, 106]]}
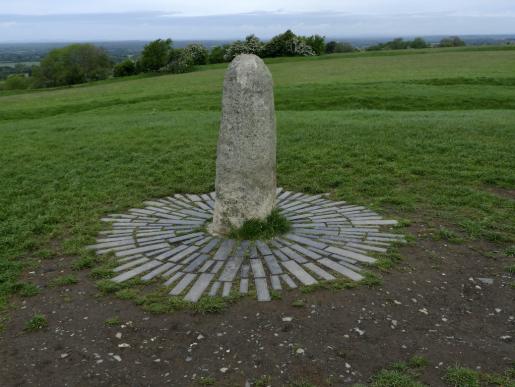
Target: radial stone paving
{"points": [[165, 240]]}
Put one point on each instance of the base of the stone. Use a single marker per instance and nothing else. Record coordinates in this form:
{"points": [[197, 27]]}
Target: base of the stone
{"points": [[167, 239]]}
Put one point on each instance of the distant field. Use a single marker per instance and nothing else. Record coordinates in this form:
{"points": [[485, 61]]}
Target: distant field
{"points": [[12, 64], [427, 135]]}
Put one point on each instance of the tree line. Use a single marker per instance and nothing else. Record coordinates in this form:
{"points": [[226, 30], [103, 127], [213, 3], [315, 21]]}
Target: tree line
{"points": [[81, 63]]}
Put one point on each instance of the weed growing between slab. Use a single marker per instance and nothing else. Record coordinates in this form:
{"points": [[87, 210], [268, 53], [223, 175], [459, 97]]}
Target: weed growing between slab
{"points": [[274, 225]]}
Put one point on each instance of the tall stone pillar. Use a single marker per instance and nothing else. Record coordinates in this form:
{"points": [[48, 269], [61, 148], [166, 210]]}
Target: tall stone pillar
{"points": [[246, 157]]}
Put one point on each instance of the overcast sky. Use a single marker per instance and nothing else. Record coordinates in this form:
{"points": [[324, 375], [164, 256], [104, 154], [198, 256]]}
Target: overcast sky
{"points": [[81, 20]]}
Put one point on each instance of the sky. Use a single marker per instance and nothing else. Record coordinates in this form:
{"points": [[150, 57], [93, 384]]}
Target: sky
{"points": [[95, 20]]}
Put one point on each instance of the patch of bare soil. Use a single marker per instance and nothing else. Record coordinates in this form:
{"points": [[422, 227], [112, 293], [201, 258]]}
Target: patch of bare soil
{"points": [[433, 304]]}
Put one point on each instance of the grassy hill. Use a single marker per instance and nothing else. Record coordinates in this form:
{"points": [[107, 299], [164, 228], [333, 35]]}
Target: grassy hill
{"points": [[427, 136]]}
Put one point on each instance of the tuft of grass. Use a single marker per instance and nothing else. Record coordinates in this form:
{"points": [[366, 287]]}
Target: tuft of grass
{"points": [[206, 381], [337, 284], [371, 280], [462, 377], [127, 294], [64, 280], [510, 251], [113, 321], [298, 303], [86, 262], [394, 378], [26, 289], [446, 234], [36, 323], [418, 361], [510, 269], [274, 225], [262, 381]]}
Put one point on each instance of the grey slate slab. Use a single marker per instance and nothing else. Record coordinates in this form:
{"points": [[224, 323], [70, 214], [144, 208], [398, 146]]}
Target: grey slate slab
{"points": [[205, 267], [257, 268], [216, 268], [319, 271], [210, 246], [157, 271], [189, 258], [185, 237], [196, 263], [350, 254], [305, 241], [304, 251], [136, 271], [182, 284], [224, 250], [281, 255], [263, 248], [173, 278], [293, 255], [262, 289], [116, 243], [301, 274], [214, 288], [172, 270], [272, 264], [177, 257], [341, 269], [226, 291], [171, 252], [116, 249], [245, 271], [289, 281], [130, 264], [198, 287], [244, 286], [139, 250], [196, 214], [378, 222], [276, 282], [231, 268]]}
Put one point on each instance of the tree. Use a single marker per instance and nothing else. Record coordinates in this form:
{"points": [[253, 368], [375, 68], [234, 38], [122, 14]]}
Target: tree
{"points": [[317, 43], [452, 41], [333, 47], [397, 44], [287, 44], [125, 68], [181, 61], [330, 47], [251, 45], [155, 55], [17, 82], [217, 54], [198, 53], [76, 63], [418, 43]]}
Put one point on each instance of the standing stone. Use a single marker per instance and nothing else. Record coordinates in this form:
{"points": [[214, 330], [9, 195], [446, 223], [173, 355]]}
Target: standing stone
{"points": [[246, 162]]}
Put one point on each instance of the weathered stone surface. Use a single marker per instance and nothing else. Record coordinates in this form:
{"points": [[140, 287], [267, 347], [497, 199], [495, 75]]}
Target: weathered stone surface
{"points": [[246, 158]]}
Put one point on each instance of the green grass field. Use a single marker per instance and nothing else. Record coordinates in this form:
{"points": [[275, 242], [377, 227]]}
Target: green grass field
{"points": [[426, 136]]}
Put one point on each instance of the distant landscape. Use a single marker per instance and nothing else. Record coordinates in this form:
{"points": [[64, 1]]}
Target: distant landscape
{"points": [[13, 53]]}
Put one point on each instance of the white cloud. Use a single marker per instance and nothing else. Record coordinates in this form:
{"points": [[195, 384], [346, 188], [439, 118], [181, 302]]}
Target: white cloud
{"points": [[210, 7]]}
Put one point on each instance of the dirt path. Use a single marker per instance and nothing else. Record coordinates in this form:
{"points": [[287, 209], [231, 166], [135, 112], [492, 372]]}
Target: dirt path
{"points": [[433, 304]]}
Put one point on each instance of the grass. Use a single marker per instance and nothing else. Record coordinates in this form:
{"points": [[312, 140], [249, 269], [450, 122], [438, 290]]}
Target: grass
{"points": [[64, 280], [462, 377], [113, 321], [426, 136], [36, 323], [274, 225]]}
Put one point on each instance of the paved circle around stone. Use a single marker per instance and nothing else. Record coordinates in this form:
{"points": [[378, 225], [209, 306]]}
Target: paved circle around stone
{"points": [[166, 240]]}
